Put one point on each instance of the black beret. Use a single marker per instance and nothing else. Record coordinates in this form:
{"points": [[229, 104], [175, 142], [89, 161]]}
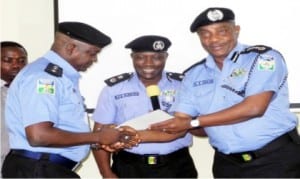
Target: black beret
{"points": [[85, 33], [152, 43], [212, 15]]}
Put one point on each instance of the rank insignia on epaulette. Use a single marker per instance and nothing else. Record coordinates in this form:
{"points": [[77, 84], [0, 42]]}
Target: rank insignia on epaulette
{"points": [[54, 70], [175, 76], [117, 79], [257, 49]]}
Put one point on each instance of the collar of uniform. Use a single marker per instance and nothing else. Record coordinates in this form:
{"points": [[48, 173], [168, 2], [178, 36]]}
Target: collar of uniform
{"points": [[135, 78], [163, 79], [234, 55], [67, 68]]}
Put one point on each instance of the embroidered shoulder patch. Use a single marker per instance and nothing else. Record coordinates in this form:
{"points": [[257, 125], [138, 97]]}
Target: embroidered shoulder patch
{"points": [[266, 63], [45, 86], [117, 79]]}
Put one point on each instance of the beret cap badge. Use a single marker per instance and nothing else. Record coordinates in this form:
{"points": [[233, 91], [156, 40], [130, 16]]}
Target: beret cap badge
{"points": [[214, 15], [158, 45]]}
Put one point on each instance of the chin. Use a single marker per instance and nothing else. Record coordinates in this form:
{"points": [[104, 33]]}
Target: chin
{"points": [[83, 70]]}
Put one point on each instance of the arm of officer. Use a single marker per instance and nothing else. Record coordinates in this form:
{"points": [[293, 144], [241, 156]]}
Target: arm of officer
{"points": [[158, 136], [250, 107], [198, 131], [45, 134], [103, 160]]}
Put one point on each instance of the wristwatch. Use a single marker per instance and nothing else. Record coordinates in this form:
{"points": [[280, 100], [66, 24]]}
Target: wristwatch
{"points": [[195, 122]]}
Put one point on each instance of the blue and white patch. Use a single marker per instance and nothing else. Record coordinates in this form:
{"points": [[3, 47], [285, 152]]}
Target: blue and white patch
{"points": [[46, 86], [168, 95], [266, 63]]}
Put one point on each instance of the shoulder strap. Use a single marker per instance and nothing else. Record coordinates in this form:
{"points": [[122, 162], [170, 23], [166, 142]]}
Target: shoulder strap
{"points": [[194, 65], [54, 70], [117, 79], [175, 76], [257, 49]]}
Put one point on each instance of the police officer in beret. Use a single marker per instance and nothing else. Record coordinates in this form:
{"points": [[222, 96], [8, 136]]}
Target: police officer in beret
{"points": [[126, 96], [48, 133], [239, 95]]}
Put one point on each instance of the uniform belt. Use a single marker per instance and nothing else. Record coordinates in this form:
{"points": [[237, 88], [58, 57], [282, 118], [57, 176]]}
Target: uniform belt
{"points": [[54, 158], [151, 159], [272, 146]]}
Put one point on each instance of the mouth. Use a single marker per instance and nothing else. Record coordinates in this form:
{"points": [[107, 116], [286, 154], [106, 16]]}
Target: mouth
{"points": [[148, 70], [216, 47], [14, 73]]}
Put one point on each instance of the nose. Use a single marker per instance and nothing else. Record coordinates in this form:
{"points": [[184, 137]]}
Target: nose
{"points": [[214, 38], [148, 60], [16, 64]]}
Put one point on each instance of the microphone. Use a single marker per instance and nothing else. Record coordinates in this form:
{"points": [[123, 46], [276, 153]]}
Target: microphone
{"points": [[153, 92]]}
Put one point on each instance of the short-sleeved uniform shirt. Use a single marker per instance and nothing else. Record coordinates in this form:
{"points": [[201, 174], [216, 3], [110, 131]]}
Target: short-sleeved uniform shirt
{"points": [[246, 71], [37, 96], [128, 99]]}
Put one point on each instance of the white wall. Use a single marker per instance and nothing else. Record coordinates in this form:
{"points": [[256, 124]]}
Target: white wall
{"points": [[270, 22], [29, 22]]}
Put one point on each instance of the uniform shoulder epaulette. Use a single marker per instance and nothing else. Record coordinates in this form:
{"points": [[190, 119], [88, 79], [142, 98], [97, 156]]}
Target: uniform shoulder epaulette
{"points": [[257, 49], [194, 65], [117, 79], [54, 70], [175, 76]]}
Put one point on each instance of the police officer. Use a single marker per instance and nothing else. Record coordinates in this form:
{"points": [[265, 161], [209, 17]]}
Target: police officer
{"points": [[239, 94], [48, 133], [126, 96]]}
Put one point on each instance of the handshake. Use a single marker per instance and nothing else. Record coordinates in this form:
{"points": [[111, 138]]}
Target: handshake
{"points": [[113, 139]]}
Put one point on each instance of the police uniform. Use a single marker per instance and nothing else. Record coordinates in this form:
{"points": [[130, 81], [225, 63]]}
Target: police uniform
{"points": [[247, 70], [125, 98], [47, 90]]}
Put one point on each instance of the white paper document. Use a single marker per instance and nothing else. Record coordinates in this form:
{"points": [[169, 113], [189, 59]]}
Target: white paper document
{"points": [[144, 121]]}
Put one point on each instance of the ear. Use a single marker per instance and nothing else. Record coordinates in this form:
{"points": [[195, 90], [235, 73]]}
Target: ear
{"points": [[70, 47], [167, 54], [132, 53], [237, 30]]}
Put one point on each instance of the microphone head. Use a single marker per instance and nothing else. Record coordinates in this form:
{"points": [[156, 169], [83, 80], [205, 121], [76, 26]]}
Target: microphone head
{"points": [[153, 90]]}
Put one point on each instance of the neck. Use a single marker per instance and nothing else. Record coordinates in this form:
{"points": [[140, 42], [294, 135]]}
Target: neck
{"points": [[147, 82], [219, 62]]}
